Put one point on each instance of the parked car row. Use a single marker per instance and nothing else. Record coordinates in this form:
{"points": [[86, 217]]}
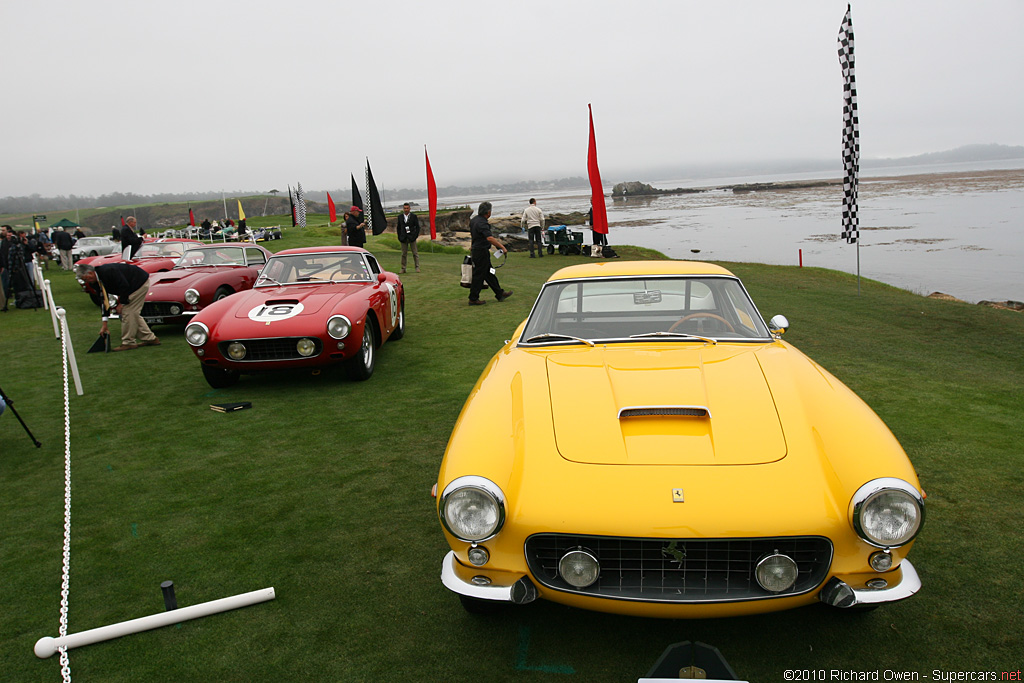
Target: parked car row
{"points": [[644, 444]]}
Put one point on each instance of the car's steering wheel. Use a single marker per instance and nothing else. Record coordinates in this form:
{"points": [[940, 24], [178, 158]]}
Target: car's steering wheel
{"points": [[701, 315]]}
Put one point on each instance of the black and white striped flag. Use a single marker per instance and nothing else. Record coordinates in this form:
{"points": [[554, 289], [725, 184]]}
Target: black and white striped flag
{"points": [[300, 207], [851, 132]]}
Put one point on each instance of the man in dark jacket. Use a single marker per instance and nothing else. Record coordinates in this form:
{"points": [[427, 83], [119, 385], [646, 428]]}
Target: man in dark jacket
{"points": [[129, 238], [6, 239], [408, 232], [355, 227], [64, 242], [479, 251], [130, 284]]}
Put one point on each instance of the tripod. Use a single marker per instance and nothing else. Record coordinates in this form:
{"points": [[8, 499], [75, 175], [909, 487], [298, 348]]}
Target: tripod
{"points": [[10, 404]]}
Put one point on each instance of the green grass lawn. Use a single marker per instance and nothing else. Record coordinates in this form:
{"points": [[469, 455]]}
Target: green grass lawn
{"points": [[322, 490]]}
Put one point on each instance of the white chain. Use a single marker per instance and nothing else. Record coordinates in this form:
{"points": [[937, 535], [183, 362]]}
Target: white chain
{"points": [[65, 666]]}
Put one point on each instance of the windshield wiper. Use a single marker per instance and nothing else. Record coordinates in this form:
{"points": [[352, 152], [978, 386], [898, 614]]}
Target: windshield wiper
{"points": [[673, 334], [558, 336]]}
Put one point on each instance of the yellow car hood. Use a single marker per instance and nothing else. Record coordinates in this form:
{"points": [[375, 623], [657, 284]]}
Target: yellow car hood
{"points": [[590, 387]]}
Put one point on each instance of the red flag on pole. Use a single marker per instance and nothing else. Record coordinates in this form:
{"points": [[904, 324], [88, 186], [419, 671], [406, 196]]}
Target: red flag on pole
{"points": [[431, 196], [191, 217], [332, 213], [122, 221], [599, 223]]}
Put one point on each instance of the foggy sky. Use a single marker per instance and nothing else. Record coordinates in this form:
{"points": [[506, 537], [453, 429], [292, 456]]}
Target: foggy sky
{"points": [[198, 95]]}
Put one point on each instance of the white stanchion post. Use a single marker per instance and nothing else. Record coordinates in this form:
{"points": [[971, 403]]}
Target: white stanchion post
{"points": [[52, 306], [44, 284], [62, 314], [47, 646]]}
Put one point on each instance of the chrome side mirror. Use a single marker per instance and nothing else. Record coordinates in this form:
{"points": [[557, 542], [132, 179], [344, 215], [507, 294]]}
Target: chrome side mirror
{"points": [[778, 325]]}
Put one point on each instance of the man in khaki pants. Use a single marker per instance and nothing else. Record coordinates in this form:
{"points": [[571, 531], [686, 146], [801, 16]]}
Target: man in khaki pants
{"points": [[130, 284]]}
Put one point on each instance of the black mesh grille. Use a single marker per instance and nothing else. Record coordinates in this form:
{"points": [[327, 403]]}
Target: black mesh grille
{"points": [[647, 412], [681, 570], [280, 348]]}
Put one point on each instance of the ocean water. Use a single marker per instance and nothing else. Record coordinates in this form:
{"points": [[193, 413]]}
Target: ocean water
{"points": [[956, 229]]}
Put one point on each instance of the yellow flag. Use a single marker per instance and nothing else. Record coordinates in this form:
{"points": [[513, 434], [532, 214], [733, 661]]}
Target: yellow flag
{"points": [[241, 214]]}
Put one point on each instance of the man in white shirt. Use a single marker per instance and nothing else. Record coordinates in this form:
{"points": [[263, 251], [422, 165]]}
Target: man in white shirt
{"points": [[533, 223]]}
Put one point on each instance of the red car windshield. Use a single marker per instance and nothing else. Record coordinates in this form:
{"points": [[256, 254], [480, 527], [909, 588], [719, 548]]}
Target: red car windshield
{"points": [[164, 249], [299, 268], [221, 256]]}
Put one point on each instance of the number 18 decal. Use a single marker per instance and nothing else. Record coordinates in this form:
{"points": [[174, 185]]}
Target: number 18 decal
{"points": [[272, 313]]}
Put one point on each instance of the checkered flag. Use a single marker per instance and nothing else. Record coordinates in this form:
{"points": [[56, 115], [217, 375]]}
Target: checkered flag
{"points": [[300, 207], [851, 131]]}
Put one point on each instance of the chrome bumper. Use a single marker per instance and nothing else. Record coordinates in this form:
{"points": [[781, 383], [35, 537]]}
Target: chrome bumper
{"points": [[519, 592], [840, 594]]}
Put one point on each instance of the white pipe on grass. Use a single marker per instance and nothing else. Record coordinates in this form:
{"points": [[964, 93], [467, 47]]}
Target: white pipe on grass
{"points": [[47, 646]]}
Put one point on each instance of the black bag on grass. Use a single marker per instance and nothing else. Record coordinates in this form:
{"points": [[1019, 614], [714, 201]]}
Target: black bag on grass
{"points": [[30, 298]]}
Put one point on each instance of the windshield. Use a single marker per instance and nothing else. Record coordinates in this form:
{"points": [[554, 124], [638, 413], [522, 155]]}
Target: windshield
{"points": [[221, 256], [167, 249], [297, 268], [657, 308]]}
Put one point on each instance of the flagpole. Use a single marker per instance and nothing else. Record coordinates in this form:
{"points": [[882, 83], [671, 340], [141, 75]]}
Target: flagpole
{"points": [[225, 205]]}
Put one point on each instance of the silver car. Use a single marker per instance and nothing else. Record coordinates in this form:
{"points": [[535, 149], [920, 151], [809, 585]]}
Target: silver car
{"points": [[94, 246]]}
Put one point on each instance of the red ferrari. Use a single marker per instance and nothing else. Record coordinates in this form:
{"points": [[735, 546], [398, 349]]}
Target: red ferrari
{"points": [[152, 257], [310, 308], [204, 274]]}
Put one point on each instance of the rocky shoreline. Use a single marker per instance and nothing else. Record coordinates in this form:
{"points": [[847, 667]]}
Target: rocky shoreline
{"points": [[1017, 306]]}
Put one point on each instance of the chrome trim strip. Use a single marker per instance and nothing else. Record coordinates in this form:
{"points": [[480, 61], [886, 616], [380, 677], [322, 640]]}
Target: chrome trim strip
{"points": [[838, 593], [685, 411], [520, 592]]}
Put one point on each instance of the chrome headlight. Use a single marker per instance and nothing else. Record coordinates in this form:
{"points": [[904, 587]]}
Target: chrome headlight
{"points": [[776, 572], [196, 334], [339, 326], [472, 508], [191, 296], [887, 512], [579, 568], [305, 347]]}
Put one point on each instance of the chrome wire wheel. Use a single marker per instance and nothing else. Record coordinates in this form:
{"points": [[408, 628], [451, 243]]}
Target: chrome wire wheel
{"points": [[360, 366], [367, 350]]}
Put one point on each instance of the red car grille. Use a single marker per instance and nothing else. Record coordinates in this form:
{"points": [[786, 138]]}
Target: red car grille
{"points": [[156, 309], [679, 570], [279, 348]]}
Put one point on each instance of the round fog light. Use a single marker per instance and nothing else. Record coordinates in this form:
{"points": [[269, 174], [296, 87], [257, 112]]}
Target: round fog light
{"points": [[776, 573], [579, 568], [236, 350], [881, 561], [175, 309], [478, 556], [305, 347]]}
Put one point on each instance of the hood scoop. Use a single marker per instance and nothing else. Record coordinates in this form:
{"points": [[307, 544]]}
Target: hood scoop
{"points": [[280, 302], [654, 406], [650, 411]]}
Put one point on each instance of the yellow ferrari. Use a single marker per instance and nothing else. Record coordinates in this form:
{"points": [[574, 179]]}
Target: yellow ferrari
{"points": [[646, 445]]}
